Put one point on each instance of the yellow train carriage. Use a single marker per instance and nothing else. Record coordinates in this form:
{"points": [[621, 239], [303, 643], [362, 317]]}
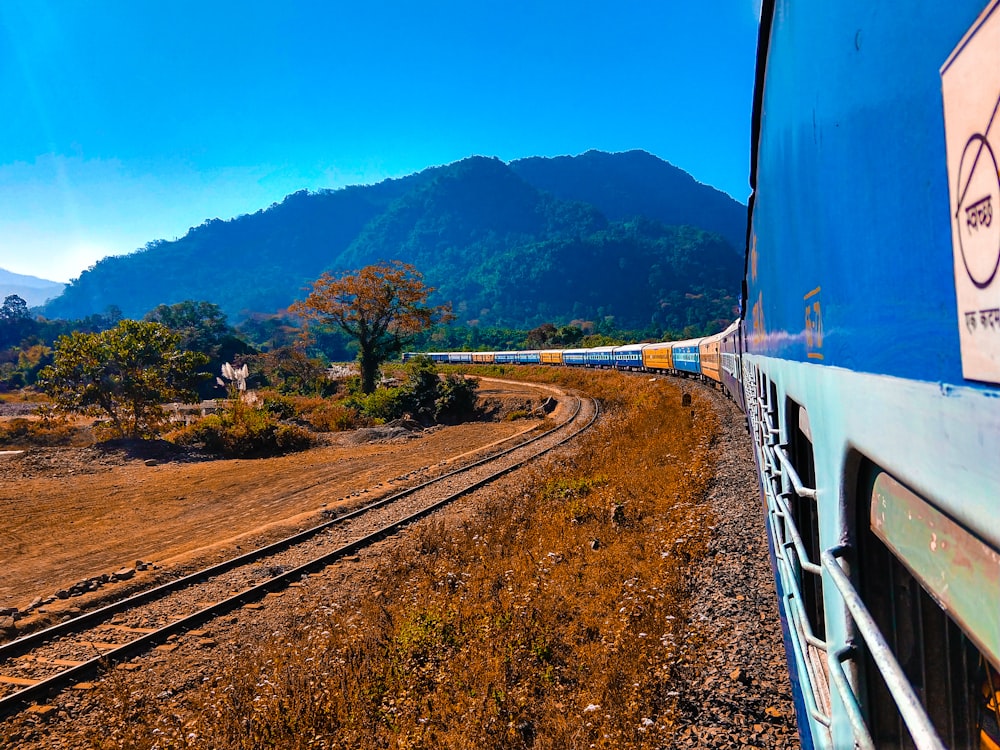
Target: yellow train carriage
{"points": [[483, 358], [658, 356], [551, 356], [708, 351]]}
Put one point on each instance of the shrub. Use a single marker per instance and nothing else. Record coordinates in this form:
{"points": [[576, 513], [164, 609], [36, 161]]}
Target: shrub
{"points": [[336, 417], [456, 398], [242, 431], [382, 404], [21, 431]]}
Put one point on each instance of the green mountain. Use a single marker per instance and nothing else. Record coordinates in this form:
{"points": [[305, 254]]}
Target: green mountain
{"points": [[508, 244]]}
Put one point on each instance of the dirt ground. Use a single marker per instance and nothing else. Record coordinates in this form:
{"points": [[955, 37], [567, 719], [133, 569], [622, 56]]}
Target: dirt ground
{"points": [[67, 514]]}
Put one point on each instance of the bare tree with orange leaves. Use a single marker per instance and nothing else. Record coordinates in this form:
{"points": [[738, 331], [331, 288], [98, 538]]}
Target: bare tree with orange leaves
{"points": [[381, 307]]}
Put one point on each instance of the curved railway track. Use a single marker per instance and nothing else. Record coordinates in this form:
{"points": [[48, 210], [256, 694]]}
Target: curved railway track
{"points": [[45, 662]]}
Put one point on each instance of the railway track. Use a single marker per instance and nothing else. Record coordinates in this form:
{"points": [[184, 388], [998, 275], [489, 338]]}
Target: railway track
{"points": [[43, 663]]}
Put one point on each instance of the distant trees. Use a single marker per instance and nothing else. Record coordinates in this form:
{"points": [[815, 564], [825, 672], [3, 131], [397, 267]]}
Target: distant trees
{"points": [[381, 307], [123, 373]]}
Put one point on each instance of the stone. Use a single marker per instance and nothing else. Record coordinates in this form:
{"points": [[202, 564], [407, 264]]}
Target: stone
{"points": [[123, 574], [42, 711]]}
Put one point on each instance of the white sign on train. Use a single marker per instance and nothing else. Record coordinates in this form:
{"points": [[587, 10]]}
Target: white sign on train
{"points": [[970, 86]]}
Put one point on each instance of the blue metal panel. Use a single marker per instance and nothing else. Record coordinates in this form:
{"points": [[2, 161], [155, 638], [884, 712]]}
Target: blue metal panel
{"points": [[575, 357], [460, 357], [850, 259], [505, 358], [529, 358]]}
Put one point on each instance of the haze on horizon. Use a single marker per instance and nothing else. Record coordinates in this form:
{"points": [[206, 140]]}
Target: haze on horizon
{"points": [[126, 123]]}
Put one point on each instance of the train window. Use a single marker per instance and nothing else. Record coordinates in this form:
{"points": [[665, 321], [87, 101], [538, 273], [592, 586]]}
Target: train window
{"points": [[953, 680], [805, 512]]}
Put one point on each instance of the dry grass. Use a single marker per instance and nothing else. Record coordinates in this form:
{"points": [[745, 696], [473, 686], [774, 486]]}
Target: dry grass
{"points": [[555, 619]]}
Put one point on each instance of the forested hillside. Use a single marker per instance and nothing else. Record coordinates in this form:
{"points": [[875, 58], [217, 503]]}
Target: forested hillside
{"points": [[626, 238]]}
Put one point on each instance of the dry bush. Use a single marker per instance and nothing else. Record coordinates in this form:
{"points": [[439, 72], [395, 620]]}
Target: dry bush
{"points": [[555, 619], [25, 432]]}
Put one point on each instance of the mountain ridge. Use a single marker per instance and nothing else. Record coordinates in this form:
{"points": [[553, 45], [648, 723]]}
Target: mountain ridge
{"points": [[509, 243]]}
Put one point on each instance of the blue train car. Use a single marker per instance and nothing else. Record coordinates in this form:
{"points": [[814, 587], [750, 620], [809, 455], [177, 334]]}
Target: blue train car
{"points": [[529, 357], [505, 358], [599, 356], [628, 357], [574, 357], [459, 358], [686, 356], [872, 364]]}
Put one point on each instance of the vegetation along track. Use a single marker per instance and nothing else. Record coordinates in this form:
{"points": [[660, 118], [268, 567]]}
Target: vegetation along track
{"points": [[52, 659]]}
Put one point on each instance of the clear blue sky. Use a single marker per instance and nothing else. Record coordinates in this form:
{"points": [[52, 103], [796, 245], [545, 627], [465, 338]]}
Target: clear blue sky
{"points": [[124, 122]]}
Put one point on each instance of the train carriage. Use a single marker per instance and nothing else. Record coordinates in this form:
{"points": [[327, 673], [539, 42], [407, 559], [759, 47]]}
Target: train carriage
{"points": [[574, 357], [505, 358], [686, 356], [729, 362], [459, 358], [872, 364], [658, 357], [599, 356], [483, 358], [709, 356], [628, 357], [433, 356], [551, 356], [530, 357]]}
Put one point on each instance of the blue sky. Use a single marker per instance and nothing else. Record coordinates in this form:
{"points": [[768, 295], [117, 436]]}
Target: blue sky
{"points": [[126, 122]]}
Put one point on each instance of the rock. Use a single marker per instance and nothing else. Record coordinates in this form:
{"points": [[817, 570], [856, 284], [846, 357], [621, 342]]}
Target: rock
{"points": [[42, 711], [7, 624], [63, 594], [8, 611], [595, 543], [36, 602], [150, 462], [123, 574]]}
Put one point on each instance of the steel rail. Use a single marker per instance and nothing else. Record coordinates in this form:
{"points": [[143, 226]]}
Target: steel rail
{"points": [[15, 701]]}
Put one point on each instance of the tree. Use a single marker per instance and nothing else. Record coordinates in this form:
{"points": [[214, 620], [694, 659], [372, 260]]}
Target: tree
{"points": [[15, 321], [380, 307], [201, 325], [124, 373]]}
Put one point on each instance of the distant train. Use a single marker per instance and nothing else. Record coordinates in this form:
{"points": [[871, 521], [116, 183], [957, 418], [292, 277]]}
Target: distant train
{"points": [[867, 362]]}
